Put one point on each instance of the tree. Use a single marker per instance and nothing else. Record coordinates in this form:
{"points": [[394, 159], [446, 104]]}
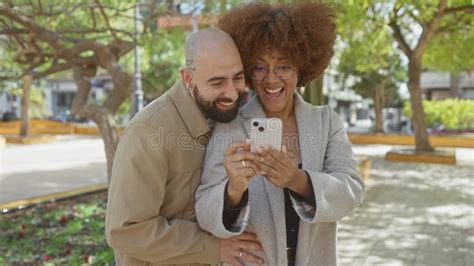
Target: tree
{"points": [[451, 50], [429, 16], [87, 37], [78, 36], [163, 54], [367, 60]]}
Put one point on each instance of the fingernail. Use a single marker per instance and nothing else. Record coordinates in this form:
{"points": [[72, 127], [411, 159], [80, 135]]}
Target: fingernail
{"points": [[247, 141], [259, 150], [260, 261]]}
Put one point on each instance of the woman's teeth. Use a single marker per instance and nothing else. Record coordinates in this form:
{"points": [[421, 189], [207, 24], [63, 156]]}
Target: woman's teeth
{"points": [[275, 90], [273, 94]]}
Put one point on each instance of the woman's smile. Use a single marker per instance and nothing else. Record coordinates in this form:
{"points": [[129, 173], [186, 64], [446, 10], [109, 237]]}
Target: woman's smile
{"points": [[273, 94]]}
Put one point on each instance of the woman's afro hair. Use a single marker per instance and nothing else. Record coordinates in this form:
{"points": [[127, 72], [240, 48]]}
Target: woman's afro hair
{"points": [[306, 32]]}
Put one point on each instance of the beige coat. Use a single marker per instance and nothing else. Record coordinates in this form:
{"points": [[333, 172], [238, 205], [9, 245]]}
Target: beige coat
{"points": [[150, 216], [328, 159]]}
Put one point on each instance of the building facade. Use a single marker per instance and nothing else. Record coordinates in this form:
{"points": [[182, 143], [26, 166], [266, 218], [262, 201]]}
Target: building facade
{"points": [[439, 85]]}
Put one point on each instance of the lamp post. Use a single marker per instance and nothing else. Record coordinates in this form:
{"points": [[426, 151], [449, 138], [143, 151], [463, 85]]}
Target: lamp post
{"points": [[137, 97]]}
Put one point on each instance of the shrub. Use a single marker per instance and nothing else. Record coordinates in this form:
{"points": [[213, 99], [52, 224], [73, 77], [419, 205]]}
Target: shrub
{"points": [[448, 113]]}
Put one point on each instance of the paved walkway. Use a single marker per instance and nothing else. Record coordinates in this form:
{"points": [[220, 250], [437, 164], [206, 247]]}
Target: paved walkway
{"points": [[413, 214], [33, 170]]}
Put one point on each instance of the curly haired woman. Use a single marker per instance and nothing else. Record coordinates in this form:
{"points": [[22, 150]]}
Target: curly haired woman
{"points": [[293, 198]]}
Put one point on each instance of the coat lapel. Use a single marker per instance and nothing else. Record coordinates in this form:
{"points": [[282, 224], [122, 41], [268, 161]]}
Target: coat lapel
{"points": [[309, 131], [275, 195], [194, 119]]}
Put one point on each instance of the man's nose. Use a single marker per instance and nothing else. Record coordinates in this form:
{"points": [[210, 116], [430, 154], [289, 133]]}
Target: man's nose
{"points": [[231, 91]]}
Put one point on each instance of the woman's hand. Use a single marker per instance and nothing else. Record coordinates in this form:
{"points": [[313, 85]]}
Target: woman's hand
{"points": [[240, 165], [281, 169]]}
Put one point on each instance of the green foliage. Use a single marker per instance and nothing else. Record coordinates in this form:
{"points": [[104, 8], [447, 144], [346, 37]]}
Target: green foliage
{"points": [[38, 107], [163, 55], [67, 233], [449, 113], [451, 49], [9, 70], [123, 111], [366, 54]]}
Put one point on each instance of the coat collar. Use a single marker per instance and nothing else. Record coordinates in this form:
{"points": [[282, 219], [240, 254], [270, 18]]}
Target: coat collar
{"points": [[192, 116]]}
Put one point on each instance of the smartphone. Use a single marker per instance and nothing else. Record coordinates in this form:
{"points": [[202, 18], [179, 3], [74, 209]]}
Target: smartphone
{"points": [[266, 132]]}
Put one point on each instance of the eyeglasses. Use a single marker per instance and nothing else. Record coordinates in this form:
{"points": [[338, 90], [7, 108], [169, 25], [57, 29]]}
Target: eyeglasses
{"points": [[282, 71]]}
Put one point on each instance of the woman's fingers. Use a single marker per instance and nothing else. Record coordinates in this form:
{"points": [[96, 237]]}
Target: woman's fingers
{"points": [[234, 147], [245, 155], [248, 164], [263, 168]]}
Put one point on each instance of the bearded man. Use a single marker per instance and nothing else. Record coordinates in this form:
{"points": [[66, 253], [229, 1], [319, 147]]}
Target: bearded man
{"points": [[150, 217]]}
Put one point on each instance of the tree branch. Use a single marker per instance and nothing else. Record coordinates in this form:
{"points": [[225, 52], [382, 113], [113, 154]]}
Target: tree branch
{"points": [[43, 34], [13, 31], [429, 30], [53, 69], [102, 11], [468, 9], [397, 33], [94, 22]]}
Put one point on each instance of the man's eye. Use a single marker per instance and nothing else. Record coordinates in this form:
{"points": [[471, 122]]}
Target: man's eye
{"points": [[217, 84]]}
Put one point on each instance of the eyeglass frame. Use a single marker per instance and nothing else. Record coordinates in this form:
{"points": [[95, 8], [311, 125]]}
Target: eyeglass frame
{"points": [[293, 68]]}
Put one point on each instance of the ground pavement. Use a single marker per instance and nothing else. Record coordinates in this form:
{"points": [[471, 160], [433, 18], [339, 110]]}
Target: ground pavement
{"points": [[413, 214], [68, 163]]}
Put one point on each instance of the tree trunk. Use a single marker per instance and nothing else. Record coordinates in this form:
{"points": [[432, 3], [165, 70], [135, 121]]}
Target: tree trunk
{"points": [[418, 113], [313, 92], [455, 80], [100, 115], [25, 105], [378, 107], [109, 134]]}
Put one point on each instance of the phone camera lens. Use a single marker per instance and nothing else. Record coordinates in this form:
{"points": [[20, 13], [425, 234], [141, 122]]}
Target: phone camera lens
{"points": [[261, 129], [255, 124]]}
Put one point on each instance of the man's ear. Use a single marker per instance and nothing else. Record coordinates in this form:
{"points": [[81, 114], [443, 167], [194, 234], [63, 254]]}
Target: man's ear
{"points": [[186, 77]]}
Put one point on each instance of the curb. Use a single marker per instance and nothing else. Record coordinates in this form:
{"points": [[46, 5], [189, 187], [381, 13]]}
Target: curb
{"points": [[32, 139], [2, 142], [409, 140], [11, 206]]}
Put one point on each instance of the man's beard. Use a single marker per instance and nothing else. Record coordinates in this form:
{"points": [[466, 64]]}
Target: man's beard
{"points": [[210, 109]]}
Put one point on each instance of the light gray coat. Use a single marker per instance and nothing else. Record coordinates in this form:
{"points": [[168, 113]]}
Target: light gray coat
{"points": [[328, 159]]}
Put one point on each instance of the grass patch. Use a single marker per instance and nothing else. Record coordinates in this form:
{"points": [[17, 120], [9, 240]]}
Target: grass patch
{"points": [[70, 232]]}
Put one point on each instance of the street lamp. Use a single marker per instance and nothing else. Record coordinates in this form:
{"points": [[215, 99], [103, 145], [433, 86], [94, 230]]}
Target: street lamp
{"points": [[137, 96]]}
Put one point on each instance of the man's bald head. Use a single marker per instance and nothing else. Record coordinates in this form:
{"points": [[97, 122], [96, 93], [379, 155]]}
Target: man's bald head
{"points": [[214, 75], [208, 42]]}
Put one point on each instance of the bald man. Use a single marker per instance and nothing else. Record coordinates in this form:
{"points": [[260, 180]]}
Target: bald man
{"points": [[150, 217]]}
